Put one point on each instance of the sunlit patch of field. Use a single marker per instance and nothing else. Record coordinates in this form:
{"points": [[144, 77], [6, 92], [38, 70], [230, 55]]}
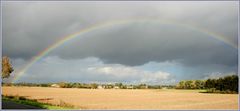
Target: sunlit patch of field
{"points": [[127, 98]]}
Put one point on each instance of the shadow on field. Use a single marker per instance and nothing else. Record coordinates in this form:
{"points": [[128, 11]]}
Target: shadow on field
{"points": [[22, 102], [14, 105]]}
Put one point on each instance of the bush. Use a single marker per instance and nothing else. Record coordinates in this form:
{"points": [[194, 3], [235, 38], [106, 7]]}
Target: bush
{"points": [[64, 104], [22, 98]]}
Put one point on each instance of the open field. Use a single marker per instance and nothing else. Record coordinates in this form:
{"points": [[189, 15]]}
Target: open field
{"points": [[127, 98]]}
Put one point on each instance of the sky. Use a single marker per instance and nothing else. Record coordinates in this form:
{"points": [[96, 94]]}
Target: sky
{"points": [[161, 43]]}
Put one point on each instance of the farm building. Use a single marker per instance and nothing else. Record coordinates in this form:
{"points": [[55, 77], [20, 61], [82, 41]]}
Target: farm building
{"points": [[130, 87], [55, 85], [116, 87], [100, 87]]}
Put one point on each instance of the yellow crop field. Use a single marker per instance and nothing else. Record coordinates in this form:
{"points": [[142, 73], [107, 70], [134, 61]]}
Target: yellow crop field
{"points": [[127, 98]]}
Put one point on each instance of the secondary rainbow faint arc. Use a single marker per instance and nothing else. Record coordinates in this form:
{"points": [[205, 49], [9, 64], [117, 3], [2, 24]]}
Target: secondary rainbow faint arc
{"points": [[109, 24]]}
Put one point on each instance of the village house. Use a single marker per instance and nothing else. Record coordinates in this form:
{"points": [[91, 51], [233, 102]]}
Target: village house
{"points": [[130, 87], [55, 85], [116, 87], [100, 87]]}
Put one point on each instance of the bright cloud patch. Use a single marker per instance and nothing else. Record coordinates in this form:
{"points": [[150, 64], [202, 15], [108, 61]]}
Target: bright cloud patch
{"points": [[124, 72], [55, 69]]}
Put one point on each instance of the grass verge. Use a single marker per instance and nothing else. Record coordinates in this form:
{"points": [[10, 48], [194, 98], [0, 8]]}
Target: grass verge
{"points": [[23, 100]]}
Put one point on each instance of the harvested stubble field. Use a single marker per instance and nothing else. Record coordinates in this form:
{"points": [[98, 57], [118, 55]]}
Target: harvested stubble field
{"points": [[127, 98]]}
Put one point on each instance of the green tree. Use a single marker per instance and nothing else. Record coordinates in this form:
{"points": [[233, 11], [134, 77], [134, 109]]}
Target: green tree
{"points": [[235, 83], [181, 85], [210, 83], [230, 83], [120, 85], [220, 84], [94, 86], [7, 68], [199, 84], [188, 84], [62, 84]]}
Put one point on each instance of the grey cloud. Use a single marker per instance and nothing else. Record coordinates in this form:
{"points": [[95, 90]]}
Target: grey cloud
{"points": [[29, 27], [139, 43]]}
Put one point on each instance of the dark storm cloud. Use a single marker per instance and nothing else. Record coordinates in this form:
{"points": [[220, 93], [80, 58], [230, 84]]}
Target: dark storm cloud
{"points": [[30, 27], [139, 43]]}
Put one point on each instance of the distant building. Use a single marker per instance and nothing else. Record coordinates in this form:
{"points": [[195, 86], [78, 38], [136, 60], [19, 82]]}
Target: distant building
{"points": [[100, 87], [164, 87], [116, 87], [130, 87], [55, 85], [146, 87]]}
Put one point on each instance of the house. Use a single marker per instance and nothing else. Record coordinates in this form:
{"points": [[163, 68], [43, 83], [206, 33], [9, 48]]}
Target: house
{"points": [[55, 85], [164, 87], [116, 87], [146, 87], [130, 87], [100, 87]]}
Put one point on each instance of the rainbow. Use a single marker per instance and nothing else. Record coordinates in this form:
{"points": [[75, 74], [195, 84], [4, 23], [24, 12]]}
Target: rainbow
{"points": [[109, 25]]}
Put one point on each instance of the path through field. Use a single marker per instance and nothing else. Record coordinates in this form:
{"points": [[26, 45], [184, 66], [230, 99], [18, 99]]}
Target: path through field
{"points": [[127, 98]]}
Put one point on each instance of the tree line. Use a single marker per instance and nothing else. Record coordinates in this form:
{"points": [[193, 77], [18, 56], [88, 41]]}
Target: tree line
{"points": [[191, 84], [91, 85], [223, 84], [227, 84]]}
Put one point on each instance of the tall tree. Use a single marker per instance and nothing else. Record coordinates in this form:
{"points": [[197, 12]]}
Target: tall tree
{"points": [[188, 84], [199, 84], [7, 68]]}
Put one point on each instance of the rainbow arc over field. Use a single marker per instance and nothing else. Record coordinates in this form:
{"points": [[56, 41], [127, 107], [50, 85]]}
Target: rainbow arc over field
{"points": [[110, 24]]}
